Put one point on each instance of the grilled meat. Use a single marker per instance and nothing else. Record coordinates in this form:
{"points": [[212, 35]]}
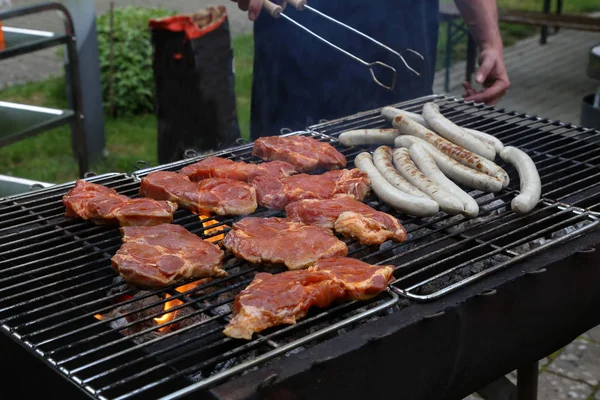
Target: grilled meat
{"points": [[161, 255], [217, 167], [272, 300], [104, 205], [349, 217], [221, 196], [282, 241], [305, 153], [276, 193]]}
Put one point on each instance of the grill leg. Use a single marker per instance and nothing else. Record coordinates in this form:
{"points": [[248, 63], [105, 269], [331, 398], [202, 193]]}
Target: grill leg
{"points": [[500, 389], [527, 382]]}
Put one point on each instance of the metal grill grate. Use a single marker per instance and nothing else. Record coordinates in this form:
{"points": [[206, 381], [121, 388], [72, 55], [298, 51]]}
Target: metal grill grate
{"points": [[56, 281]]}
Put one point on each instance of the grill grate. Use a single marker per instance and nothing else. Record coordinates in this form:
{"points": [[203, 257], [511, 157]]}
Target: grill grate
{"points": [[56, 282]]}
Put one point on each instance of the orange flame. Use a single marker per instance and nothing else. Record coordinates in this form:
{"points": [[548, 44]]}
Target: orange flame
{"points": [[99, 317], [212, 222], [166, 317]]}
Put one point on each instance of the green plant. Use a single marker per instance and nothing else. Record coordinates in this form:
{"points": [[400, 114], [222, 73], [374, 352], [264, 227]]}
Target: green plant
{"points": [[132, 75]]}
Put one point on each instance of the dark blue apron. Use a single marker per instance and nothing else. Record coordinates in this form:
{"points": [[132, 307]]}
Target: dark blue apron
{"points": [[298, 80]]}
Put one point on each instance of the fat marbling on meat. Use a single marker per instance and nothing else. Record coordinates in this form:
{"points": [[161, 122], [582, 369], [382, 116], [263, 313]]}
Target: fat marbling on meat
{"points": [[104, 205], [221, 196], [282, 241], [161, 255], [349, 217], [272, 300], [305, 153]]}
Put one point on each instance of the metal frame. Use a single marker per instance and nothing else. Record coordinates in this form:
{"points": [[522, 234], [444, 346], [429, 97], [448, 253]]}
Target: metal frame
{"points": [[72, 78], [55, 274]]}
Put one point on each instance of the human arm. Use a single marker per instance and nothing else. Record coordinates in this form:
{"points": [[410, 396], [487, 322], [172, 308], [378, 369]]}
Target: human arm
{"points": [[481, 16]]}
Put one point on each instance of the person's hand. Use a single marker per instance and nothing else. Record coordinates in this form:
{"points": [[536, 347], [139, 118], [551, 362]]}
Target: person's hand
{"points": [[492, 76], [252, 6]]}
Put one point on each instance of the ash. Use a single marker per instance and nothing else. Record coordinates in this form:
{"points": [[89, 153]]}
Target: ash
{"points": [[223, 309], [529, 246], [570, 229], [462, 273], [486, 212]]}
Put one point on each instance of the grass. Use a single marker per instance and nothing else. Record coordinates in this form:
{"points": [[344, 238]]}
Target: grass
{"points": [[47, 157]]}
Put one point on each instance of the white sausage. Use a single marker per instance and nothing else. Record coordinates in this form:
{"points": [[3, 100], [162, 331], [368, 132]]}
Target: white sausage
{"points": [[368, 137], [531, 184], [390, 195], [484, 137], [427, 165], [454, 133], [448, 203], [407, 126], [383, 160], [453, 169]]}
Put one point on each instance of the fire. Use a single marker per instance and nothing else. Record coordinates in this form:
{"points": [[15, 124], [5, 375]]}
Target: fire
{"points": [[166, 317], [212, 222], [99, 317]]}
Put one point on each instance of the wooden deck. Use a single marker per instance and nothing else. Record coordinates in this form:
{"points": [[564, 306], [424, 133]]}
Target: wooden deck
{"points": [[548, 81]]}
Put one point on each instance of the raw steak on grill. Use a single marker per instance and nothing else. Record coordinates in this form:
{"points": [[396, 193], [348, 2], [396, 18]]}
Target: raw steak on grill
{"points": [[282, 241], [272, 300], [104, 205], [349, 217], [276, 193], [161, 255], [305, 153], [221, 196], [217, 167]]}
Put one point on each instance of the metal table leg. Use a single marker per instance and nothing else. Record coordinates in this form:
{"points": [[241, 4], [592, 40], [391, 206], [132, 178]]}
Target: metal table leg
{"points": [[544, 37], [471, 56], [527, 382]]}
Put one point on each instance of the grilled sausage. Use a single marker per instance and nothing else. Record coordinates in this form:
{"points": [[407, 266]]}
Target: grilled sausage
{"points": [[484, 137], [383, 160], [410, 172], [453, 169], [427, 165], [390, 195], [369, 137], [454, 133], [531, 184], [407, 126]]}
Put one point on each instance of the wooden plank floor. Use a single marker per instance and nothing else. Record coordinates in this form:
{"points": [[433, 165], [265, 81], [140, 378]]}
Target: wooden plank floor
{"points": [[547, 81]]}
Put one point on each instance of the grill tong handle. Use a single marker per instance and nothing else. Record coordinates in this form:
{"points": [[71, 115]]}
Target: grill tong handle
{"points": [[276, 11]]}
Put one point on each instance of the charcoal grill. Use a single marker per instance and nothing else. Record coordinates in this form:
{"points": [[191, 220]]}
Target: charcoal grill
{"points": [[433, 333]]}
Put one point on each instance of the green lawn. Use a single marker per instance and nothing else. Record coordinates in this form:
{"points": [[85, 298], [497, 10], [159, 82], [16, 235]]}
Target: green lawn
{"points": [[47, 157]]}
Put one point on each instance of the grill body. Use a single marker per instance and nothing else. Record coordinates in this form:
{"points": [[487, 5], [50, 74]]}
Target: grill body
{"points": [[440, 329]]}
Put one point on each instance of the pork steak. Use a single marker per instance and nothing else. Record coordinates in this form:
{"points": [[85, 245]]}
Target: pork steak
{"points": [[277, 193], [348, 217], [217, 167], [221, 196], [103, 205], [303, 152], [282, 241], [161, 255], [272, 300]]}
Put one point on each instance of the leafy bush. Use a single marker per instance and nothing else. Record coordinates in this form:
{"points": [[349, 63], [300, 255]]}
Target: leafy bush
{"points": [[133, 79]]}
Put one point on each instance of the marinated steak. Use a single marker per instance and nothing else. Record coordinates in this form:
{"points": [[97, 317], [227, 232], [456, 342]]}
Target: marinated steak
{"points": [[216, 167], [276, 193], [104, 205], [305, 153], [282, 241], [161, 255], [349, 217], [221, 196], [272, 300]]}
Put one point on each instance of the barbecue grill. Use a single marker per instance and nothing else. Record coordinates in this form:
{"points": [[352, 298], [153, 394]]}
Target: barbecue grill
{"points": [[472, 300]]}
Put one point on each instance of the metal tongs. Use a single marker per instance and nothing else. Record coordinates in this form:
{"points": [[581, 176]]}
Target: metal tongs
{"points": [[276, 11]]}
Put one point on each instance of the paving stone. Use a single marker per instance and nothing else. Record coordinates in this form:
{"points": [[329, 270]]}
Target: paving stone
{"points": [[593, 334], [553, 387], [579, 360], [512, 376], [597, 397]]}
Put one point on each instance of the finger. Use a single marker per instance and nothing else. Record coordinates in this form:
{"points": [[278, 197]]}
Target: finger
{"points": [[469, 91], [492, 94], [254, 7], [243, 4], [484, 69]]}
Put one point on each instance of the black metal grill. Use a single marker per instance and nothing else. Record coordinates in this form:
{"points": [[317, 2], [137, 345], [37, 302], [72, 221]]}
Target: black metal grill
{"points": [[55, 275]]}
